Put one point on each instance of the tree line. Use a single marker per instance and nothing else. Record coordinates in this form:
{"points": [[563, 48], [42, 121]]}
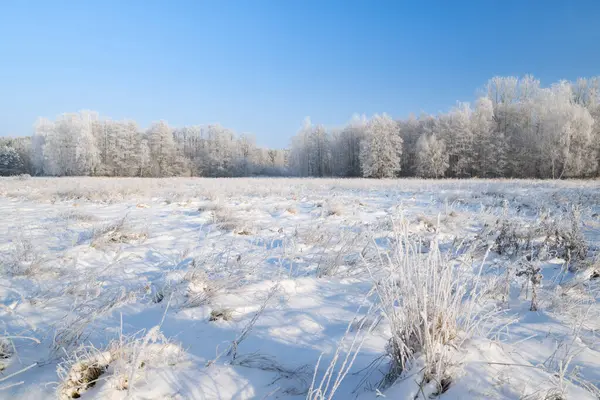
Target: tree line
{"points": [[515, 128], [83, 144]]}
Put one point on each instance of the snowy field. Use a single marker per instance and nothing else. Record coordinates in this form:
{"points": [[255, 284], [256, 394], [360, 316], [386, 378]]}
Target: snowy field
{"points": [[298, 288]]}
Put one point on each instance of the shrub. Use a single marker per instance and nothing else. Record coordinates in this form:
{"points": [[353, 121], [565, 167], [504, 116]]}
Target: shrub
{"points": [[512, 238], [561, 238], [565, 239]]}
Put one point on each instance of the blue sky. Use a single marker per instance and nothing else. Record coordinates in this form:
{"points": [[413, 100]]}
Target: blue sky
{"points": [[262, 66]]}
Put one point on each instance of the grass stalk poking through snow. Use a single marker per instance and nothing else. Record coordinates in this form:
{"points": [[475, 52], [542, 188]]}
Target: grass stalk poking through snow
{"points": [[431, 304]]}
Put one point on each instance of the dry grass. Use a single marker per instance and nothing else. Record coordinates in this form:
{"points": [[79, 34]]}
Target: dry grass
{"points": [[224, 314], [74, 215], [124, 362], [21, 259], [84, 374], [430, 303], [115, 233], [429, 223], [424, 331], [6, 349]]}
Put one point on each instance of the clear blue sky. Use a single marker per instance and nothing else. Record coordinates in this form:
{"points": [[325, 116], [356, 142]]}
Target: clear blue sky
{"points": [[262, 66]]}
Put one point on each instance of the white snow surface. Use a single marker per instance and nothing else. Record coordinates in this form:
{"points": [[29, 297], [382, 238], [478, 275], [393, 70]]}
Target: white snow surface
{"points": [[90, 263]]}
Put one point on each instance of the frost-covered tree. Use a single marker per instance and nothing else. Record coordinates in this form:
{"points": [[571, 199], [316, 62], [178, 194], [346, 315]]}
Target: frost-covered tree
{"points": [[10, 162], [22, 146], [145, 163], [300, 150], [431, 157], [318, 153], [162, 149], [83, 144], [513, 102], [565, 130], [245, 163], [193, 145], [41, 129], [381, 149], [516, 129], [69, 147], [586, 93], [129, 149], [106, 134], [489, 145], [59, 150], [222, 154], [348, 145], [411, 130], [459, 141], [86, 150]]}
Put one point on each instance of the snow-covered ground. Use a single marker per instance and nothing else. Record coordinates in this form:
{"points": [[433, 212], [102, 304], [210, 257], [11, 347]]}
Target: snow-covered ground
{"points": [[235, 288]]}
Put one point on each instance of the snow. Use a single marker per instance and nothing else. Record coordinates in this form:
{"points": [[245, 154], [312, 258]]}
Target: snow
{"points": [[135, 267]]}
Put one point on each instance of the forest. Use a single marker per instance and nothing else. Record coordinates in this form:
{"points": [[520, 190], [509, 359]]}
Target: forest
{"points": [[516, 128]]}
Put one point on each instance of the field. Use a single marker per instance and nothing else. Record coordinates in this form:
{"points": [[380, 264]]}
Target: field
{"points": [[299, 288]]}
